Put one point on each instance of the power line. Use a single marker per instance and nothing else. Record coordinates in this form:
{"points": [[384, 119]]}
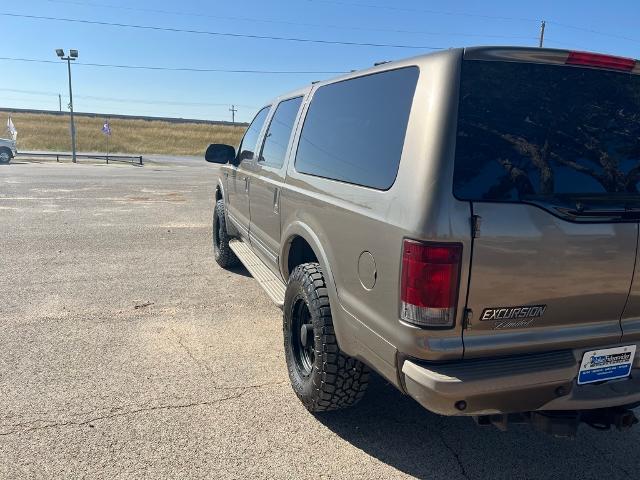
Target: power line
{"points": [[283, 22], [124, 100], [178, 69], [352, 27], [217, 34], [476, 15], [598, 32], [422, 10], [30, 92]]}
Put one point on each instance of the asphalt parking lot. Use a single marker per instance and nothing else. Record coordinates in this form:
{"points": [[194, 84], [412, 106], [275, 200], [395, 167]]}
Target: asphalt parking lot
{"points": [[126, 352]]}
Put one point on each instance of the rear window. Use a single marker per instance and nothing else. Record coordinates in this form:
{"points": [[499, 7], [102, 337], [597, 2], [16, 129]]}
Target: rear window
{"points": [[354, 130], [544, 132], [276, 140]]}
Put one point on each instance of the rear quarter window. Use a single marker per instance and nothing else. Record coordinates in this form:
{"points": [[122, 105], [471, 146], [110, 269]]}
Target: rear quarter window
{"points": [[354, 129]]}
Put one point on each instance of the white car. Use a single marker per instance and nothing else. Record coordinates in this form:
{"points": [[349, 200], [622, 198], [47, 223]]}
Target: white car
{"points": [[7, 150]]}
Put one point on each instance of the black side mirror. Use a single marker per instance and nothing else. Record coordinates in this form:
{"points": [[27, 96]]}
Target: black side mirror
{"points": [[220, 153]]}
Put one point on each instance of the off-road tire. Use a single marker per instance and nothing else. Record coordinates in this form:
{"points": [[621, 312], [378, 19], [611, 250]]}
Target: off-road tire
{"points": [[5, 155], [221, 250], [335, 380]]}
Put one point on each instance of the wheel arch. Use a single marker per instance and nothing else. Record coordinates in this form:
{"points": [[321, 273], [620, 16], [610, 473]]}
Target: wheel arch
{"points": [[219, 195], [299, 236]]}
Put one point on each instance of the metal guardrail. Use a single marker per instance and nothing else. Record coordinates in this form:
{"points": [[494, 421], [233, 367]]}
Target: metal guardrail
{"points": [[133, 159]]}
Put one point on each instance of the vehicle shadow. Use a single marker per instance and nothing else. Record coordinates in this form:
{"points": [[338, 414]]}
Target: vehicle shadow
{"points": [[396, 430], [239, 269]]}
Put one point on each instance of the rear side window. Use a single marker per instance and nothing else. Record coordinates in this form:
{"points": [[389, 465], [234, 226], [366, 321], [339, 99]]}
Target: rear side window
{"points": [[277, 138], [250, 139], [547, 133], [354, 130]]}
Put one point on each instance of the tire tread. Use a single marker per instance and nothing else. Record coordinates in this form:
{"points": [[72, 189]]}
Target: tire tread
{"points": [[339, 381]]}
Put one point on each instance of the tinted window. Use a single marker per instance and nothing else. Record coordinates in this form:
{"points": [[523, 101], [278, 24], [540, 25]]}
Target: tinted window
{"points": [[277, 137], [354, 130], [547, 133], [248, 144]]}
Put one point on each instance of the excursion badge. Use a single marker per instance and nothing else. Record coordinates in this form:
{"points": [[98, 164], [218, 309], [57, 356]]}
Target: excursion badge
{"points": [[513, 317]]}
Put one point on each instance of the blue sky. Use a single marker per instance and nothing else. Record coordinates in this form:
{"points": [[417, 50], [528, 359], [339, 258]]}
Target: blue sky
{"points": [[609, 27]]}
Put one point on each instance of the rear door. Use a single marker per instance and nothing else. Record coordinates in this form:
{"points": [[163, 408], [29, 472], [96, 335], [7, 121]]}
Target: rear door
{"points": [[548, 156], [268, 181]]}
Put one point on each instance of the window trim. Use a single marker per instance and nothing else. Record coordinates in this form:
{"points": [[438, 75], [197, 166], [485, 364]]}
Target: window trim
{"points": [[309, 104], [291, 134]]}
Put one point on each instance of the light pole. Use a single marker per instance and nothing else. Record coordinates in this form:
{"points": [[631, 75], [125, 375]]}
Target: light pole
{"points": [[73, 54]]}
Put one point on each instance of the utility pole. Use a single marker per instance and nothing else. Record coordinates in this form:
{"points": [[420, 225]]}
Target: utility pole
{"points": [[60, 101], [233, 111], [73, 54], [542, 25]]}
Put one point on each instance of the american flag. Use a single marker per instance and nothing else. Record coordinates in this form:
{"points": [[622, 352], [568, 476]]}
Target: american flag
{"points": [[106, 128]]}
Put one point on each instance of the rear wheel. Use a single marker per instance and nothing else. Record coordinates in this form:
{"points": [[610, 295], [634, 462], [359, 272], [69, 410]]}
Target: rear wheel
{"points": [[5, 155], [321, 375], [221, 250]]}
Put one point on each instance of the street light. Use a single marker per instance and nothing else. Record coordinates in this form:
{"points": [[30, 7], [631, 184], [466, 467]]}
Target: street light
{"points": [[73, 54]]}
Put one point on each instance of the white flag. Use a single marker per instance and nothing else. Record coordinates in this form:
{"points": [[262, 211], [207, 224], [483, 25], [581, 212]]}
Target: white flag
{"points": [[11, 129]]}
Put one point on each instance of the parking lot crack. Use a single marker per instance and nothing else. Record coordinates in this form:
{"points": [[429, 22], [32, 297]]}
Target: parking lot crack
{"points": [[209, 370], [453, 452], [180, 341], [111, 416]]}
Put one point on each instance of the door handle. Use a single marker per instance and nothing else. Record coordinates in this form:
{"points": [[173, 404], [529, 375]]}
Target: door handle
{"points": [[246, 184], [276, 200]]}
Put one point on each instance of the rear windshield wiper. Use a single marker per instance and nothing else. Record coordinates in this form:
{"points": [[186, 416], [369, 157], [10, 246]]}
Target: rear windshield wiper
{"points": [[624, 213]]}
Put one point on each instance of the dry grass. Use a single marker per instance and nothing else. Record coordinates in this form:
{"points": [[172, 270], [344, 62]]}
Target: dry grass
{"points": [[51, 132]]}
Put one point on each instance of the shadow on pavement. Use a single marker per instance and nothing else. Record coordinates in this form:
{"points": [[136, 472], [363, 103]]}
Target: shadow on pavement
{"points": [[239, 270], [396, 430]]}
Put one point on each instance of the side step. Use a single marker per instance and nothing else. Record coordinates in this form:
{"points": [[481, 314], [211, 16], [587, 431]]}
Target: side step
{"points": [[265, 277]]}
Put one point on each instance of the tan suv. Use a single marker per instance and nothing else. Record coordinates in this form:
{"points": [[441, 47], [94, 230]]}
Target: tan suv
{"points": [[465, 223]]}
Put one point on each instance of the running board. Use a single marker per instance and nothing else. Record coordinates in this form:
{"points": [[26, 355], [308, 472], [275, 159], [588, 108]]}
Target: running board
{"points": [[265, 277]]}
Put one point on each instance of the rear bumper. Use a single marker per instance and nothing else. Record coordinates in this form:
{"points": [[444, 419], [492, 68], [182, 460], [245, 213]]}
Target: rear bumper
{"points": [[510, 385]]}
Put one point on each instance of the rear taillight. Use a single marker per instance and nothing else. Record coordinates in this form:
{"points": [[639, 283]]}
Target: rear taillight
{"points": [[430, 282], [601, 61]]}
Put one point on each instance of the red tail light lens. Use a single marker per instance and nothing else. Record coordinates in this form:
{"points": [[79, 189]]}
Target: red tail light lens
{"points": [[601, 61], [430, 283]]}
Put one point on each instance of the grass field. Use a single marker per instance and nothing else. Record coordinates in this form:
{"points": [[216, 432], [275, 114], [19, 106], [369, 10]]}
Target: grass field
{"points": [[51, 132]]}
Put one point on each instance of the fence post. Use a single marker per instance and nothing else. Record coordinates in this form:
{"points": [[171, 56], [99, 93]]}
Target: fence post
{"points": [[140, 159]]}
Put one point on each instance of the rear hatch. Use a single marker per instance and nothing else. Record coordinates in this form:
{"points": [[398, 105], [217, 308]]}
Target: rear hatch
{"points": [[548, 155]]}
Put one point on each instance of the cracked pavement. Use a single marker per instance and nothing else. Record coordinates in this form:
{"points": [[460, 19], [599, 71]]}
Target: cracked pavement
{"points": [[126, 352]]}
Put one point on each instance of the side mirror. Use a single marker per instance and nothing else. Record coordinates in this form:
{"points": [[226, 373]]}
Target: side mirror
{"points": [[220, 153]]}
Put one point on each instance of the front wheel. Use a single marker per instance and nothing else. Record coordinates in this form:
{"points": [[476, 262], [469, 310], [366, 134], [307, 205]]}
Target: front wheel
{"points": [[5, 155], [321, 375]]}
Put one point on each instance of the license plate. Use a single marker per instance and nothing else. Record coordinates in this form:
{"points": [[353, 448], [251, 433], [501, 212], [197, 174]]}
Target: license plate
{"points": [[607, 364]]}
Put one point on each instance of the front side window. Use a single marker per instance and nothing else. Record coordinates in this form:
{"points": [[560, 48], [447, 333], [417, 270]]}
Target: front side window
{"points": [[250, 139], [277, 138], [354, 130]]}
